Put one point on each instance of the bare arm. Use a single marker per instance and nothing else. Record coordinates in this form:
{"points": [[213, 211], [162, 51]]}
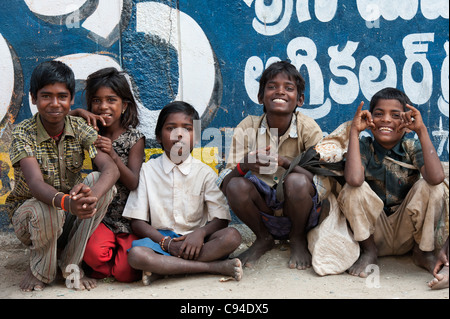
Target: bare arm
{"points": [[129, 175], [432, 170], [90, 118], [354, 170], [82, 205], [35, 181], [142, 229], [109, 174]]}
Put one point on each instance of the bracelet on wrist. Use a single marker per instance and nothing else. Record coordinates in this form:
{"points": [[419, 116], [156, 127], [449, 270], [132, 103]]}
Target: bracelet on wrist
{"points": [[62, 201], [239, 169], [161, 243], [54, 197]]}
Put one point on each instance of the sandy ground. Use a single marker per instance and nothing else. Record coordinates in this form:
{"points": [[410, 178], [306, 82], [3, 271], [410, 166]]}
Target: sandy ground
{"points": [[398, 278]]}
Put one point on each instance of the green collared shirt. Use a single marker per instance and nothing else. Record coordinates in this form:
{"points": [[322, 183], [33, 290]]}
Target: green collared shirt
{"points": [[61, 163], [389, 180]]}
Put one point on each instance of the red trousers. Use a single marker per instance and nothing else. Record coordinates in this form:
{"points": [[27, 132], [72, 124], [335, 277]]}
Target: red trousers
{"points": [[106, 254]]}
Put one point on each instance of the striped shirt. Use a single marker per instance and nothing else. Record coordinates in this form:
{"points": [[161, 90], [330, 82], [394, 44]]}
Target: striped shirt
{"points": [[60, 164]]}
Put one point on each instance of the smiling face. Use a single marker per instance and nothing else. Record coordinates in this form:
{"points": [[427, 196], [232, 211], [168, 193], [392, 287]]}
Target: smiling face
{"points": [[177, 136], [386, 118], [53, 103], [106, 103], [281, 96]]}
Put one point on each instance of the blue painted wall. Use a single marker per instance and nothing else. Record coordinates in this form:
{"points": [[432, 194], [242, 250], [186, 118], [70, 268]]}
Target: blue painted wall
{"points": [[211, 53]]}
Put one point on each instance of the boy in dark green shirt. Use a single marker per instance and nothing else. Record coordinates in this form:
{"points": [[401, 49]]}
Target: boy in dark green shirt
{"points": [[390, 209]]}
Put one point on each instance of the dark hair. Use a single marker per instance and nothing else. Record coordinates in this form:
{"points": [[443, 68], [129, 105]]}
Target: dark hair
{"points": [[116, 81], [174, 107], [51, 72], [281, 67], [389, 93]]}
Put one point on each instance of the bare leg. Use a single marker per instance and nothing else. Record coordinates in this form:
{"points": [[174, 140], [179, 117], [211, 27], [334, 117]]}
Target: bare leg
{"points": [[221, 243], [368, 256], [298, 192], [440, 270], [424, 259], [246, 203], [145, 259]]}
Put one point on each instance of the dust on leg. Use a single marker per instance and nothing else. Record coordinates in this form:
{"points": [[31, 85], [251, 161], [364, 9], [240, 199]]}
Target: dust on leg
{"points": [[368, 256]]}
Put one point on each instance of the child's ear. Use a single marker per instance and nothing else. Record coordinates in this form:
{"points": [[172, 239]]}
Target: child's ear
{"points": [[33, 99], [124, 106], [301, 100]]}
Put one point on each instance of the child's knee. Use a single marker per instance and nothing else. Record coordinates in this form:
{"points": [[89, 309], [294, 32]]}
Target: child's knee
{"points": [[136, 255], [238, 186], [233, 237], [297, 185]]}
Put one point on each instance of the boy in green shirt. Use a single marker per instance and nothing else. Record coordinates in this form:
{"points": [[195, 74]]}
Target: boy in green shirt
{"points": [[51, 207], [390, 208]]}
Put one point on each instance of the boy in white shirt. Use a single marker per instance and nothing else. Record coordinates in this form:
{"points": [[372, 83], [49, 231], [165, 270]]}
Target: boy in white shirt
{"points": [[178, 210]]}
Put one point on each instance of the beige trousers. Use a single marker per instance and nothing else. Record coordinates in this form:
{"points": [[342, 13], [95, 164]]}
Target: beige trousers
{"points": [[45, 230], [414, 221]]}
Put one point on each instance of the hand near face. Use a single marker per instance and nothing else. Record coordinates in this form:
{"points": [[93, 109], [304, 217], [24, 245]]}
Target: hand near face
{"points": [[411, 120], [362, 119]]}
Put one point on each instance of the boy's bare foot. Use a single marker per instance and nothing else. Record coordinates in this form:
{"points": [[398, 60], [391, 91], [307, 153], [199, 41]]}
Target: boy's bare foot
{"points": [[256, 250], [230, 267], [300, 255], [149, 277], [424, 259], [87, 283], [440, 281], [359, 267], [30, 283]]}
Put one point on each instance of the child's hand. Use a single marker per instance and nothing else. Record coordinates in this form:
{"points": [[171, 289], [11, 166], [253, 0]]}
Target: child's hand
{"points": [[283, 162], [82, 203], [90, 118], [411, 120], [192, 245], [261, 161], [80, 190], [105, 145], [187, 246], [362, 119]]}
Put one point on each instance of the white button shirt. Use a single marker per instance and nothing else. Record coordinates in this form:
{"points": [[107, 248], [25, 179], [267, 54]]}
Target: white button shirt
{"points": [[174, 197]]}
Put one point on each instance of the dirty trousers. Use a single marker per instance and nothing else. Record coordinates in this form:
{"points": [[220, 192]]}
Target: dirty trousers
{"points": [[413, 221], [47, 230]]}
